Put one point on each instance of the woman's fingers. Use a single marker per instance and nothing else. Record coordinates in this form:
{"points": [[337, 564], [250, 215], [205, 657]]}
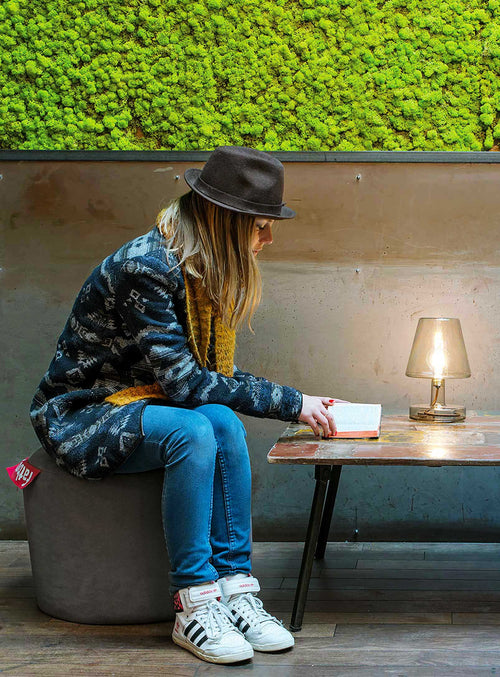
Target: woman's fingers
{"points": [[325, 426], [331, 421], [313, 424], [323, 422], [316, 412]]}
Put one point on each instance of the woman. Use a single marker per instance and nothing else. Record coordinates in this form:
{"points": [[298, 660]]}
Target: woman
{"points": [[143, 378]]}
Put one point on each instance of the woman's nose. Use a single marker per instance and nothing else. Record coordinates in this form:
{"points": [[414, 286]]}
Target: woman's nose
{"points": [[266, 236]]}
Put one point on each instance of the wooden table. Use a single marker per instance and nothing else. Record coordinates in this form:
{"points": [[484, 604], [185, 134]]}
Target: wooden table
{"points": [[475, 441]]}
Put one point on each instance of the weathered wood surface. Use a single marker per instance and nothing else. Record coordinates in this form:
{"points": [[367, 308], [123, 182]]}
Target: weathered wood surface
{"points": [[395, 609], [475, 441]]}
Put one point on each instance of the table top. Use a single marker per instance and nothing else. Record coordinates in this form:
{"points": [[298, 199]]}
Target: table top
{"points": [[475, 441]]}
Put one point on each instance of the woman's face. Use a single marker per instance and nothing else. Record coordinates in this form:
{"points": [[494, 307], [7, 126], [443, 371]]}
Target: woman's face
{"points": [[262, 233]]}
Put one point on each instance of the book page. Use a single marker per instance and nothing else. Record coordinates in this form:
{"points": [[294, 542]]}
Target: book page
{"points": [[356, 417]]}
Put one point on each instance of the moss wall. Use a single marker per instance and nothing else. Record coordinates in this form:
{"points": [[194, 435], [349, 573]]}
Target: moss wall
{"points": [[273, 74]]}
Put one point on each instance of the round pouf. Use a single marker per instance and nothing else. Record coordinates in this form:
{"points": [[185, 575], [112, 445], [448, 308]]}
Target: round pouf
{"points": [[97, 547]]}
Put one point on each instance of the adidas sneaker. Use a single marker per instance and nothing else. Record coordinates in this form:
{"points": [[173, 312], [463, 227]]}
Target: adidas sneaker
{"points": [[204, 626], [263, 631]]}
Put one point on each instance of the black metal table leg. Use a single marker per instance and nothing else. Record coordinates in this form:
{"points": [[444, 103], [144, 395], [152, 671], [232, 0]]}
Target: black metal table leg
{"points": [[321, 474], [326, 520]]}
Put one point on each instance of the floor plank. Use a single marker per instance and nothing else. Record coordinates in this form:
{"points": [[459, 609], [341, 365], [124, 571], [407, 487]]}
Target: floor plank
{"points": [[399, 609], [343, 671], [475, 619], [412, 637], [407, 573], [357, 617], [52, 667], [416, 605], [476, 564], [411, 592], [396, 583]]}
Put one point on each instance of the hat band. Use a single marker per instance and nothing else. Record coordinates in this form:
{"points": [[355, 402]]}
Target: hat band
{"points": [[235, 201]]}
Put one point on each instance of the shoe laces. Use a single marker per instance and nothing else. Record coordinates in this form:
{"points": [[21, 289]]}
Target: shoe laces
{"points": [[252, 608], [215, 618]]}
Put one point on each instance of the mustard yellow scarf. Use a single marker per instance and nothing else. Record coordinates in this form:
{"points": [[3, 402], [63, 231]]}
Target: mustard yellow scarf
{"points": [[200, 315]]}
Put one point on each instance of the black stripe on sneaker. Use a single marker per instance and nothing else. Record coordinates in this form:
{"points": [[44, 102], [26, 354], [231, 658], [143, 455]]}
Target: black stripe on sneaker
{"points": [[241, 624], [190, 627], [238, 621], [196, 634], [201, 641]]}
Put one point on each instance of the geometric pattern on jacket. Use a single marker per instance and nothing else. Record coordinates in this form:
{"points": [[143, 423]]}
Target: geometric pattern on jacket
{"points": [[128, 328]]}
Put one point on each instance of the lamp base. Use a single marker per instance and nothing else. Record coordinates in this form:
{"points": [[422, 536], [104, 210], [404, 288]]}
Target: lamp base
{"points": [[449, 413]]}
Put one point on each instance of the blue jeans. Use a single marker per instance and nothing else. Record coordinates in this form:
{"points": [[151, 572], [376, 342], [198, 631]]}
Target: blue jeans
{"points": [[206, 498]]}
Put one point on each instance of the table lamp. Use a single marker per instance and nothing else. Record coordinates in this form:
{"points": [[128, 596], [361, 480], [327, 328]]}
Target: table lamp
{"points": [[438, 352]]}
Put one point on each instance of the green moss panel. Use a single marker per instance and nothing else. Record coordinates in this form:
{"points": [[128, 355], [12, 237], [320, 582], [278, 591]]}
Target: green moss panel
{"points": [[274, 74]]}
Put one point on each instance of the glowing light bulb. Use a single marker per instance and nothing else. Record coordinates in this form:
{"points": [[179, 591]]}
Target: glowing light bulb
{"points": [[437, 358]]}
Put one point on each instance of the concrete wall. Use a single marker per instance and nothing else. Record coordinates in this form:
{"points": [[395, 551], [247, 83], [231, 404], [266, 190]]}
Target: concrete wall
{"points": [[374, 247]]}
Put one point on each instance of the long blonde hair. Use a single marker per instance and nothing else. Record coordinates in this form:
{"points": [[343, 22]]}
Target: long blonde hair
{"points": [[214, 244]]}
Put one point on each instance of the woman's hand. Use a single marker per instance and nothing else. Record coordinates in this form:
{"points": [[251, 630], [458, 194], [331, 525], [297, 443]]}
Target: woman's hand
{"points": [[315, 412]]}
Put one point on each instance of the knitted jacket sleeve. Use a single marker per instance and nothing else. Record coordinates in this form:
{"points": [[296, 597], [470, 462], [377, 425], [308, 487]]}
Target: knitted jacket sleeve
{"points": [[146, 295]]}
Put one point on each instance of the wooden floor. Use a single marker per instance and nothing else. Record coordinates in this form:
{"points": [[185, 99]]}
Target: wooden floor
{"points": [[374, 609]]}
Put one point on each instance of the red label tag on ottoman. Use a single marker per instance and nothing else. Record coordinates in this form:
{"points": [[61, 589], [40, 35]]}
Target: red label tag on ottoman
{"points": [[23, 473]]}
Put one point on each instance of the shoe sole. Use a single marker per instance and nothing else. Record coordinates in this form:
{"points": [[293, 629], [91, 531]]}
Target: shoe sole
{"points": [[273, 647], [227, 658]]}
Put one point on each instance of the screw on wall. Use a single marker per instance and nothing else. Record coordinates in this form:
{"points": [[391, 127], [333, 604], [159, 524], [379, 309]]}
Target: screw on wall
{"points": [[358, 177], [357, 270], [1, 177], [354, 537], [177, 177]]}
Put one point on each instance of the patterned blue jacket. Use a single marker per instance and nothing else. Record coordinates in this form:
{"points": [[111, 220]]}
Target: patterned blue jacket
{"points": [[128, 328]]}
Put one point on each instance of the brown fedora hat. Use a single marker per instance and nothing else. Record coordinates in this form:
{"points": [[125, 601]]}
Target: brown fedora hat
{"points": [[242, 180]]}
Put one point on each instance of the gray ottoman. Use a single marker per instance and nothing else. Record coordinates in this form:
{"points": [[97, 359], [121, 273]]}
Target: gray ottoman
{"points": [[97, 547]]}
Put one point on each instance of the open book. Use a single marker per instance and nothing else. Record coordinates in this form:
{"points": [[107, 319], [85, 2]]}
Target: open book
{"points": [[356, 420]]}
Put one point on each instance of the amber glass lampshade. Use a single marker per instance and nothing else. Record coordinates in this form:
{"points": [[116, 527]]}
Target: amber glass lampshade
{"points": [[438, 353]]}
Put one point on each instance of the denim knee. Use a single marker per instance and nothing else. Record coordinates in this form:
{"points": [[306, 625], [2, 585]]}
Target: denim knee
{"points": [[195, 441], [226, 425]]}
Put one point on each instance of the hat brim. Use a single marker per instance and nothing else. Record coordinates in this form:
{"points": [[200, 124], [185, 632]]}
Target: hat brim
{"points": [[191, 176]]}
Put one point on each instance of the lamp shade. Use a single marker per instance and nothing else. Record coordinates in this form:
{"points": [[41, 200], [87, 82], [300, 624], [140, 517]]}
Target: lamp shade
{"points": [[438, 350]]}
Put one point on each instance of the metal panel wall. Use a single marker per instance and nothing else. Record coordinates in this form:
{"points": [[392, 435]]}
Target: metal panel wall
{"points": [[375, 246]]}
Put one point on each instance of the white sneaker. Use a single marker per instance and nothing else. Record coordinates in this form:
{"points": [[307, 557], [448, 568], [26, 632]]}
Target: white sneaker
{"points": [[204, 626], [263, 631]]}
